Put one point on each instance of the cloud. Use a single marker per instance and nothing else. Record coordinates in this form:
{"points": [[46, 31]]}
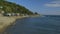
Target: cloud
{"points": [[53, 4]]}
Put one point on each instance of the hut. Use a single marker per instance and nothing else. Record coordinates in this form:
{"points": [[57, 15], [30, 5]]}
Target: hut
{"points": [[17, 14], [7, 14], [13, 14]]}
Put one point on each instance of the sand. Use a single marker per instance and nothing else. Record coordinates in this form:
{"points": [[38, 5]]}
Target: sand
{"points": [[6, 21]]}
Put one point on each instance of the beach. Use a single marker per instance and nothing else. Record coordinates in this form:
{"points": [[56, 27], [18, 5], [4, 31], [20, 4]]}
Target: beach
{"points": [[38, 25], [6, 21]]}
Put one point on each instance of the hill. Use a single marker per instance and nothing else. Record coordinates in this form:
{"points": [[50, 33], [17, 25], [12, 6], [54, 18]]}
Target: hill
{"points": [[10, 7]]}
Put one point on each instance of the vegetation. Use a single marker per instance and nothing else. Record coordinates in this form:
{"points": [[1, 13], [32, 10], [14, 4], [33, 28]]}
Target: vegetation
{"points": [[10, 7], [36, 13]]}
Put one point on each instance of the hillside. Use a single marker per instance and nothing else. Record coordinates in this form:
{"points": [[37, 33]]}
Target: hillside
{"points": [[10, 7]]}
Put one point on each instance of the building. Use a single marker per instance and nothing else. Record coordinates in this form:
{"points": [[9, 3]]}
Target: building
{"points": [[1, 13], [13, 14], [17, 14], [7, 14]]}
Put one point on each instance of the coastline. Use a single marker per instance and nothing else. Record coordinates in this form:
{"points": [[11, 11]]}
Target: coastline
{"points": [[6, 22]]}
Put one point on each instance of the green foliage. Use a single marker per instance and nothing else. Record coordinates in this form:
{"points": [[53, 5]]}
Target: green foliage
{"points": [[10, 7], [36, 13], [2, 0]]}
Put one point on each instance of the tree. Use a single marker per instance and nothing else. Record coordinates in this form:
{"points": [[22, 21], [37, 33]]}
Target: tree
{"points": [[11, 7], [2, 0], [36, 13]]}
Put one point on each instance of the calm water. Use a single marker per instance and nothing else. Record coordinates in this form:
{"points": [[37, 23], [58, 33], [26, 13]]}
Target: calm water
{"points": [[37, 25]]}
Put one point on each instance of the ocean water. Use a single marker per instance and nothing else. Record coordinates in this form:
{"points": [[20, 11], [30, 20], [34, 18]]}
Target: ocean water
{"points": [[36, 25]]}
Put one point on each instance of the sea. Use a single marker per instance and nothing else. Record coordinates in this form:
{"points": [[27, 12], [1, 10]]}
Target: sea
{"points": [[47, 24]]}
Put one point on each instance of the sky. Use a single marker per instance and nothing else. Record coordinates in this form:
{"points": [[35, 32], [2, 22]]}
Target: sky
{"points": [[46, 7]]}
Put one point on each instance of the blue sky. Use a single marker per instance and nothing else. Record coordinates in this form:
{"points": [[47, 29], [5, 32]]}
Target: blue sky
{"points": [[47, 7]]}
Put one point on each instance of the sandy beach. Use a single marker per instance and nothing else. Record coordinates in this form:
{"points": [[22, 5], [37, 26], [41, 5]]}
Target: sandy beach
{"points": [[6, 21]]}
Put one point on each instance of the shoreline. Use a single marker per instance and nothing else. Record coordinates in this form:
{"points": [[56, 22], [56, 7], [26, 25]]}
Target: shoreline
{"points": [[6, 22]]}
